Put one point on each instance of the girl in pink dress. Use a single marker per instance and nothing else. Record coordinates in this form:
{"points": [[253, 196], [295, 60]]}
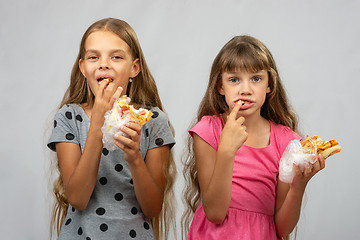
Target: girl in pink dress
{"points": [[244, 125]]}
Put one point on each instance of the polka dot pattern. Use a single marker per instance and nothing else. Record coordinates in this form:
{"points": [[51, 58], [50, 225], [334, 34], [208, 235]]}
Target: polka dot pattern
{"points": [[105, 151], [100, 211], [132, 233], [79, 118], [155, 114], [68, 222], [103, 180], [69, 136], [68, 115], [159, 141], [119, 197], [80, 231], [118, 167], [134, 211], [104, 227], [114, 183], [146, 226]]}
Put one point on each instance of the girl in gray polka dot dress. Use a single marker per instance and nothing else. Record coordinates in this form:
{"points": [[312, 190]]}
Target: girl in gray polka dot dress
{"points": [[120, 194]]}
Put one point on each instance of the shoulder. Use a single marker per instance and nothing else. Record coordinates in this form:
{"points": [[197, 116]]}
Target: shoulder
{"points": [[209, 128], [70, 112], [67, 122], [158, 129], [283, 135], [159, 118], [284, 131], [206, 122], [158, 115]]}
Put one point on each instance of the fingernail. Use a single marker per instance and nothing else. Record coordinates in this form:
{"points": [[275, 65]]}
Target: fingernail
{"points": [[120, 88], [116, 135]]}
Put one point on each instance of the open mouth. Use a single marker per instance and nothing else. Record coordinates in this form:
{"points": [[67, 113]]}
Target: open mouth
{"points": [[103, 78], [242, 102]]}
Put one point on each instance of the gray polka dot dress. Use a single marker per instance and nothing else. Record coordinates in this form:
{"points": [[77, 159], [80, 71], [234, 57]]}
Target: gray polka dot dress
{"points": [[113, 211]]}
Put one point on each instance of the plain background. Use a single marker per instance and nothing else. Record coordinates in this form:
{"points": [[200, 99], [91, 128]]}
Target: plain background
{"points": [[315, 44]]}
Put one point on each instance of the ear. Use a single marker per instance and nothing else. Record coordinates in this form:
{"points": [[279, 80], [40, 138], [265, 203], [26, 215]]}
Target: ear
{"points": [[81, 67], [268, 90], [135, 68], [220, 89]]}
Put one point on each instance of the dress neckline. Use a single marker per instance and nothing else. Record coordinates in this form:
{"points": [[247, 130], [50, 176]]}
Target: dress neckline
{"points": [[271, 134]]}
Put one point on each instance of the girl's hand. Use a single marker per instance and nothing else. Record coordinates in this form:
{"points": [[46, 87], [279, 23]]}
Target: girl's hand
{"points": [[131, 144], [105, 97], [234, 133], [302, 178]]}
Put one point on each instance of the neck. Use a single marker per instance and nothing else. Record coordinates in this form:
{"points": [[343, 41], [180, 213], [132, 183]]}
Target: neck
{"points": [[258, 129], [254, 123], [87, 109]]}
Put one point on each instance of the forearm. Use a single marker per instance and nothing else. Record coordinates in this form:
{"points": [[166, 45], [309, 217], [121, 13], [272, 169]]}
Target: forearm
{"points": [[216, 198], [148, 193], [80, 185], [288, 215]]}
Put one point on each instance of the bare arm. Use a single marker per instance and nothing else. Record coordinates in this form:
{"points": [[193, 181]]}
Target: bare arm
{"points": [[289, 198], [79, 170], [215, 179], [148, 176], [215, 168]]}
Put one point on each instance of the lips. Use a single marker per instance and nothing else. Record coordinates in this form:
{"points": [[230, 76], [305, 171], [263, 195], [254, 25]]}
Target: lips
{"points": [[242, 102], [99, 79]]}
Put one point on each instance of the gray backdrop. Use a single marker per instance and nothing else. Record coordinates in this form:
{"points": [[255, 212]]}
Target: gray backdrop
{"points": [[315, 43]]}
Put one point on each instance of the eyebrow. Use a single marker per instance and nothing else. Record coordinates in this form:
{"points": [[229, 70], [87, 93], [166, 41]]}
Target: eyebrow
{"points": [[255, 73], [96, 51]]}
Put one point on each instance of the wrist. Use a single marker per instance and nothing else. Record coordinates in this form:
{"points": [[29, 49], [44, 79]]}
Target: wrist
{"points": [[136, 162], [296, 192], [95, 131], [225, 153]]}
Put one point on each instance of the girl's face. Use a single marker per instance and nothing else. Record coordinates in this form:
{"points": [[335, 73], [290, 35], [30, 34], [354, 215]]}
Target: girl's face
{"points": [[107, 56], [250, 88]]}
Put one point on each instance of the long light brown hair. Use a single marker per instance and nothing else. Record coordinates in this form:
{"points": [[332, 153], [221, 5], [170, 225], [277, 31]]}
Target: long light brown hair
{"points": [[241, 53], [143, 92]]}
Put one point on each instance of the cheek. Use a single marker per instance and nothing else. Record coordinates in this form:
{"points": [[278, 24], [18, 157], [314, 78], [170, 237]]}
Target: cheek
{"points": [[93, 86], [89, 71], [262, 94], [123, 72], [230, 97]]}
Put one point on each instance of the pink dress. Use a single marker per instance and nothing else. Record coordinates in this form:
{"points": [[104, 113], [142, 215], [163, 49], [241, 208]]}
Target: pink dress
{"points": [[252, 207]]}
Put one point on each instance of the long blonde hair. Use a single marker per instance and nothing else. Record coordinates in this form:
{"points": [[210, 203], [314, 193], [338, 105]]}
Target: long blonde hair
{"points": [[142, 91], [243, 53]]}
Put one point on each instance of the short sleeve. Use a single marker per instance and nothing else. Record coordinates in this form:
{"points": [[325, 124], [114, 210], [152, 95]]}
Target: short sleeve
{"points": [[64, 127], [209, 129], [159, 130], [283, 136]]}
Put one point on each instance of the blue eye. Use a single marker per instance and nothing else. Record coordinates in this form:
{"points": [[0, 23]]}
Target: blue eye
{"points": [[256, 79], [233, 80]]}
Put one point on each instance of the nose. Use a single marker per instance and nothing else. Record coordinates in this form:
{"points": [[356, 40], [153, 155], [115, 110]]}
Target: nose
{"points": [[245, 88], [104, 65]]}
